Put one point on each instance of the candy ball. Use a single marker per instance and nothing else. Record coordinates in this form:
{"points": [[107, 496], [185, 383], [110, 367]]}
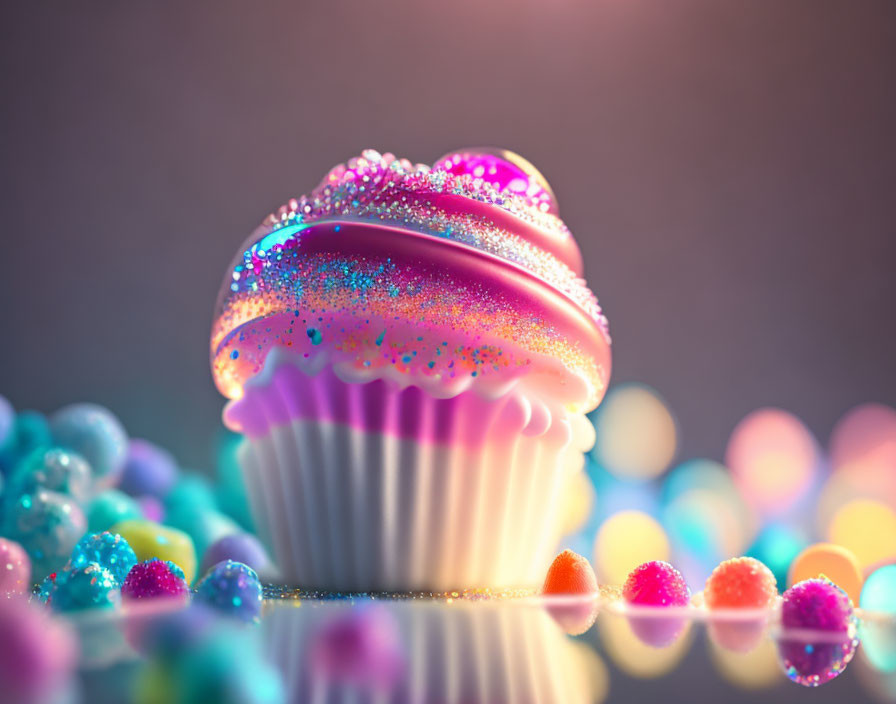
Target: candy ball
{"points": [[7, 419], [48, 525], [29, 431], [167, 635], [111, 507], [239, 547], [204, 526], [878, 638], [742, 582], [816, 605], [90, 587], [154, 579], [149, 540], [148, 469], [94, 433], [15, 569], [47, 585], [38, 654], [233, 589], [571, 575], [108, 550], [192, 492], [656, 584], [53, 469]]}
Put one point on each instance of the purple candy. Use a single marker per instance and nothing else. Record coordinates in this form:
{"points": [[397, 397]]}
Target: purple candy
{"points": [[38, 653], [148, 469], [239, 547]]}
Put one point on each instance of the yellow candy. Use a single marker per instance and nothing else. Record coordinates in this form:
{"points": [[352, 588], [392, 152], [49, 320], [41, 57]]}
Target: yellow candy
{"points": [[149, 540]]}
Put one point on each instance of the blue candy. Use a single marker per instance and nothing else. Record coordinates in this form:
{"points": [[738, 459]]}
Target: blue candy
{"points": [[233, 589], [53, 469], [94, 433], [148, 470], [29, 432], [111, 507], [108, 550], [48, 525], [89, 587]]}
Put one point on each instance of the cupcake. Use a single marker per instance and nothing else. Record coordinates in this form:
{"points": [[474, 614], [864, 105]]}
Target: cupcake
{"points": [[411, 352]]}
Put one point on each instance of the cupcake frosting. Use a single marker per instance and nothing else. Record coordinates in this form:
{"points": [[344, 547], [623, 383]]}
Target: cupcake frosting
{"points": [[452, 277]]}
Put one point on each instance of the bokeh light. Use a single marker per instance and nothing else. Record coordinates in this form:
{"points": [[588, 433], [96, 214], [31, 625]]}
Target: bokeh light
{"points": [[774, 460], [634, 657], [578, 503], [867, 528], [832, 561], [879, 635], [594, 669], [776, 546], [864, 441], [636, 434], [753, 670], [626, 540]]}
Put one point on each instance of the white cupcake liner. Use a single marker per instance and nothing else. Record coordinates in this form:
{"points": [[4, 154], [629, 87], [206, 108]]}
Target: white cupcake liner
{"points": [[345, 509]]}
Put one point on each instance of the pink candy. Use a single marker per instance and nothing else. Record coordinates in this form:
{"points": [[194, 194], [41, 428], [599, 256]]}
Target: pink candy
{"points": [[656, 584], [154, 579], [15, 568]]}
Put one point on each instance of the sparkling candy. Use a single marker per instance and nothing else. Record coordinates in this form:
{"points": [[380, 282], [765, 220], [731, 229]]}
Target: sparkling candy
{"points": [[360, 647], [656, 584], [15, 569], [94, 433], [239, 547], [817, 605], [48, 525], [149, 540], [148, 469], [833, 562], [89, 587], [740, 583], [53, 469], [38, 654], [47, 585], [571, 574], [108, 550], [233, 589], [111, 507], [153, 579], [29, 432]]}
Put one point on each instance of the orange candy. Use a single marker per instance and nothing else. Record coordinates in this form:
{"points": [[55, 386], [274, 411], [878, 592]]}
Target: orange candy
{"points": [[570, 573], [742, 582]]}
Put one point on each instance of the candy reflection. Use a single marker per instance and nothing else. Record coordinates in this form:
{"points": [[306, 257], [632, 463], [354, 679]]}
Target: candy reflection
{"points": [[754, 669], [818, 636], [464, 653], [631, 655]]}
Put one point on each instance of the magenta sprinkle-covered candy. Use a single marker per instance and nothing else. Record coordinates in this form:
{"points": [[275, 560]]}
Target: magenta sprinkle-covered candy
{"points": [[656, 584], [818, 632], [154, 579]]}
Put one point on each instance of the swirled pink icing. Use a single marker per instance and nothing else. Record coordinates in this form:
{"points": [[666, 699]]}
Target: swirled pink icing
{"points": [[446, 278]]}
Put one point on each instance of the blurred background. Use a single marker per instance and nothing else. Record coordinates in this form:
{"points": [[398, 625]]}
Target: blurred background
{"points": [[727, 169]]}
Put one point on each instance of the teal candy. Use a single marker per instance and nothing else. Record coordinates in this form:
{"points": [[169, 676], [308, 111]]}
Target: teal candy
{"points": [[106, 549], [230, 490], [47, 585], [879, 638], [110, 507], [204, 526], [54, 469], [48, 525], [191, 492], [30, 431], [89, 587], [94, 433]]}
